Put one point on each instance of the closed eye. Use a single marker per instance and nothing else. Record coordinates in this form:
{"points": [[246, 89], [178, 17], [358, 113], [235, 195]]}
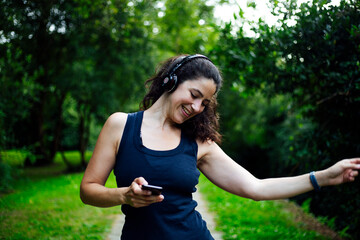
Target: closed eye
{"points": [[195, 95], [204, 103]]}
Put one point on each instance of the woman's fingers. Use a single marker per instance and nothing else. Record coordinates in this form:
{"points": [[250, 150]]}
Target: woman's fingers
{"points": [[355, 160], [141, 198], [140, 181], [343, 171], [353, 163], [143, 201], [350, 175]]}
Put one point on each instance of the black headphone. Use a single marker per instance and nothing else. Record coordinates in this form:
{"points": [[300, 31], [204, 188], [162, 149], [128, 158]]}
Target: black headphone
{"points": [[170, 81]]}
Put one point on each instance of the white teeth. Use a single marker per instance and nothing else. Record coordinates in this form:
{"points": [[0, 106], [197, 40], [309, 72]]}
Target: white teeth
{"points": [[186, 111]]}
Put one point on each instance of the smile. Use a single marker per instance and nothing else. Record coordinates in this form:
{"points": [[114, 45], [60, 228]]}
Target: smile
{"points": [[186, 111]]}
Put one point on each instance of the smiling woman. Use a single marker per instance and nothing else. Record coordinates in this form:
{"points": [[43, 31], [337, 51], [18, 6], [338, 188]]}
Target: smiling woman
{"points": [[172, 73], [166, 144], [191, 98]]}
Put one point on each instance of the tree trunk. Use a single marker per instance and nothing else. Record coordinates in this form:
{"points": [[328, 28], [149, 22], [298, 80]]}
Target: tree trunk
{"points": [[84, 131], [58, 127], [42, 46], [39, 153]]}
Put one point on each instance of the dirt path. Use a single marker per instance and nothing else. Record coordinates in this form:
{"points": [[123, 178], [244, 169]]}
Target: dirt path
{"points": [[310, 222], [116, 228], [202, 208]]}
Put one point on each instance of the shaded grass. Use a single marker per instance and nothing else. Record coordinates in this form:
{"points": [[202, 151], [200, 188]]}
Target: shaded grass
{"points": [[45, 204], [16, 158], [240, 218]]}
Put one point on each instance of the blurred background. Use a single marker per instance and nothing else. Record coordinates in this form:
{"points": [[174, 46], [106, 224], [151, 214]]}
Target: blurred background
{"points": [[290, 102]]}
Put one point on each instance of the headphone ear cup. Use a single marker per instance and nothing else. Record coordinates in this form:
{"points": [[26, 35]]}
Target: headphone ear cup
{"points": [[172, 83], [165, 81]]}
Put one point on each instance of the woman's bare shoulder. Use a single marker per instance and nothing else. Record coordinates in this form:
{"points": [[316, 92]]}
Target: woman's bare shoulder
{"points": [[113, 129], [204, 147], [116, 120]]}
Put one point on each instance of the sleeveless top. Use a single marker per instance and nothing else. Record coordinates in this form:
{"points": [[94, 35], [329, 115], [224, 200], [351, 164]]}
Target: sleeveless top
{"points": [[176, 171]]}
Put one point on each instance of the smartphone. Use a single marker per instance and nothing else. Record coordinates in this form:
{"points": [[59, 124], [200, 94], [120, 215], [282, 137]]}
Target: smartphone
{"points": [[155, 190]]}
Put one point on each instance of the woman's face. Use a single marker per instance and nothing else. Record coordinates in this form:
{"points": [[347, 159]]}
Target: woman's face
{"points": [[190, 98]]}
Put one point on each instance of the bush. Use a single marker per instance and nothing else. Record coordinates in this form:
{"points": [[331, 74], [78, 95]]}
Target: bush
{"points": [[6, 178]]}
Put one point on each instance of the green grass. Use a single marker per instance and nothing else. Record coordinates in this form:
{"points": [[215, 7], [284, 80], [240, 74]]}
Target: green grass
{"points": [[240, 218], [45, 204]]}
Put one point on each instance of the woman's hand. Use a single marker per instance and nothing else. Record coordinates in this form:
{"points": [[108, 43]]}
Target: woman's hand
{"points": [[343, 171], [136, 197]]}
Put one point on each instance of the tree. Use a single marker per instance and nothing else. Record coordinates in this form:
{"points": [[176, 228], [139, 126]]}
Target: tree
{"points": [[184, 27], [31, 29], [91, 56], [109, 62], [322, 75], [314, 64], [53, 50]]}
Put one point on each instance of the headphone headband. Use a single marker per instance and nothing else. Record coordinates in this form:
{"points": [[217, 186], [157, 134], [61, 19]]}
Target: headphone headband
{"points": [[170, 81], [185, 60]]}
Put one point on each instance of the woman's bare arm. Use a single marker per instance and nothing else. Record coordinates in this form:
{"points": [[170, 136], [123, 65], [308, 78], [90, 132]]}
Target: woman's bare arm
{"points": [[230, 176], [102, 162]]}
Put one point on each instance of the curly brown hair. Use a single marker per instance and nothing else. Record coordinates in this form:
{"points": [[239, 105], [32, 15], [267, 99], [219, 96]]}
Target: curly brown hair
{"points": [[204, 126]]}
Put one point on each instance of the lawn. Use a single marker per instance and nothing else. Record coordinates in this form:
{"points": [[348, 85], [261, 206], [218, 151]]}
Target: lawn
{"points": [[45, 204]]}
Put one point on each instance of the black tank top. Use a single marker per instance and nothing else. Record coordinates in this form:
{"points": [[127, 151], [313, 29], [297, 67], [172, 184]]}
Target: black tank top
{"points": [[176, 171]]}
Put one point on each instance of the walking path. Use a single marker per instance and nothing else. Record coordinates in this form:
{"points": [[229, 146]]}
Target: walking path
{"points": [[202, 208]]}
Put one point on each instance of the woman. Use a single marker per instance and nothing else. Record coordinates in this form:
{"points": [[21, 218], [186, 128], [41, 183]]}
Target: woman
{"points": [[167, 145]]}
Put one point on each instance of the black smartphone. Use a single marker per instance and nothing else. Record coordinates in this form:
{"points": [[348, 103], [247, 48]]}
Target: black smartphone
{"points": [[155, 190]]}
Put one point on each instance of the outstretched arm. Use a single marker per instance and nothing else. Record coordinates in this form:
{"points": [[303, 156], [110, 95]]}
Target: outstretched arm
{"points": [[230, 176]]}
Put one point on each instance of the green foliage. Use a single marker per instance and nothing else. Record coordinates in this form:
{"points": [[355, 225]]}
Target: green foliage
{"points": [[56, 49], [14, 157], [185, 26], [328, 222], [66, 66], [290, 101], [6, 177], [306, 205], [10, 163], [314, 67], [321, 70]]}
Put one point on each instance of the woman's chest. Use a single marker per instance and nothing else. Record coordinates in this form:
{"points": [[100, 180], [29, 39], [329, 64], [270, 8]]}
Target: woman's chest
{"points": [[176, 172], [160, 140]]}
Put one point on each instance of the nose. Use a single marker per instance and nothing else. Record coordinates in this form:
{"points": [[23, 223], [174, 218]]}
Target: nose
{"points": [[197, 106]]}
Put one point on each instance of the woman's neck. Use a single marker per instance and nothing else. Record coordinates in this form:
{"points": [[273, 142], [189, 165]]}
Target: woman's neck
{"points": [[157, 114]]}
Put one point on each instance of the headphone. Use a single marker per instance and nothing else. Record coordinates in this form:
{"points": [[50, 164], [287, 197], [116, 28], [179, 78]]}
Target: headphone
{"points": [[171, 80]]}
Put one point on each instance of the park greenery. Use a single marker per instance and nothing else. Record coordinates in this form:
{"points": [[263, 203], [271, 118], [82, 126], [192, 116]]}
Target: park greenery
{"points": [[289, 104]]}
